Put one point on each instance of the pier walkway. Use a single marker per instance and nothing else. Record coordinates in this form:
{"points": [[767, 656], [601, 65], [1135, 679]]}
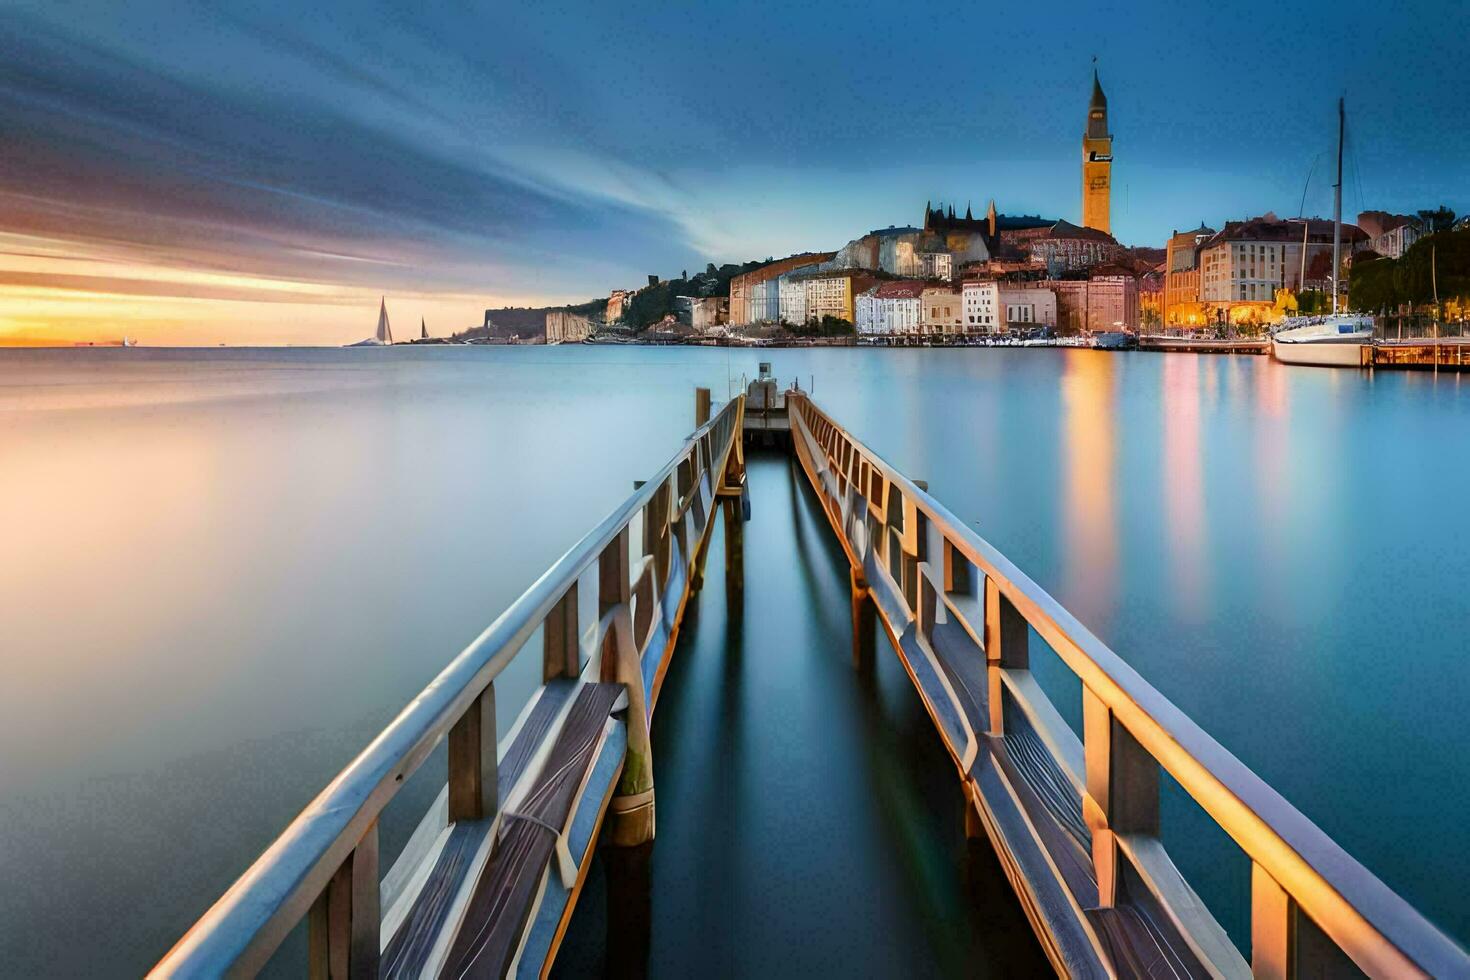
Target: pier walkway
{"points": [[488, 883]]}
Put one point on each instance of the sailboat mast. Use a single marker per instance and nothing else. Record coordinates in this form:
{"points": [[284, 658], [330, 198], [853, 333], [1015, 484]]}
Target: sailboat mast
{"points": [[1337, 208]]}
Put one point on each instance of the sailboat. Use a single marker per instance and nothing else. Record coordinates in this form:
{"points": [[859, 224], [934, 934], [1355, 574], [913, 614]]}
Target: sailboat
{"points": [[423, 329], [1335, 340], [384, 336]]}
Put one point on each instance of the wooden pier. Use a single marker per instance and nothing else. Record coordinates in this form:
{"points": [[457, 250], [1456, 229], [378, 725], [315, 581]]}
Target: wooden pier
{"points": [[1444, 354], [1192, 345], [489, 880]]}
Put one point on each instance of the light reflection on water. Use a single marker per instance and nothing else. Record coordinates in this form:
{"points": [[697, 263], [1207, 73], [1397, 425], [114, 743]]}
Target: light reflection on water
{"points": [[224, 571]]}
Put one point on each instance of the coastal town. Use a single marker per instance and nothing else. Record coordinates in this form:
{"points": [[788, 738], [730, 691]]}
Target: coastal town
{"points": [[955, 277]]}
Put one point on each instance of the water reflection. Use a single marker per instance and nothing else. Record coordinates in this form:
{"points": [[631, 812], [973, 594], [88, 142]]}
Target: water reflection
{"points": [[1182, 483], [1089, 420]]}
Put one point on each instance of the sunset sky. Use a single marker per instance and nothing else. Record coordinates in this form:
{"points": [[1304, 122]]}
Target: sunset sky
{"points": [[262, 173]]}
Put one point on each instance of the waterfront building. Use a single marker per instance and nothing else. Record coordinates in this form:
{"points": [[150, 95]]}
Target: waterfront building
{"points": [[762, 304], [940, 311], [791, 298], [991, 307], [1027, 308], [1097, 162], [1390, 235], [890, 308], [1242, 266], [709, 311], [980, 303], [565, 327], [865, 314], [833, 294], [751, 301], [1151, 297], [1106, 301], [1181, 277]]}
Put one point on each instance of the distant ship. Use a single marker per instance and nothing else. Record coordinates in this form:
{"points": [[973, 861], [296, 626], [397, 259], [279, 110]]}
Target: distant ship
{"points": [[1330, 341], [384, 336]]}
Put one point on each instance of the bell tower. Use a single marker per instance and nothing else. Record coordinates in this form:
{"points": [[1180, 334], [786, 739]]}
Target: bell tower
{"points": [[1097, 162]]}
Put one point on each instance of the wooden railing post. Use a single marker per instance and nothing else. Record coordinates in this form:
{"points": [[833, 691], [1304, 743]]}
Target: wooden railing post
{"points": [[473, 768], [1122, 791], [863, 620], [1271, 927], [344, 923], [733, 520], [1006, 647], [630, 817], [561, 656], [701, 406], [613, 587]]}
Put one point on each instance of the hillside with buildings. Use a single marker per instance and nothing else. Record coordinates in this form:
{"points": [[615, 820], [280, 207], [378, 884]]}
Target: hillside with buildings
{"points": [[952, 276]]}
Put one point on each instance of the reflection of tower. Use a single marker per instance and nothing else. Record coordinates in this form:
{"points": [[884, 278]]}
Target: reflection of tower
{"points": [[1097, 161]]}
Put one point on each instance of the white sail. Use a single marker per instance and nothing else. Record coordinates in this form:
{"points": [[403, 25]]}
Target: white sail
{"points": [[385, 333], [423, 329]]}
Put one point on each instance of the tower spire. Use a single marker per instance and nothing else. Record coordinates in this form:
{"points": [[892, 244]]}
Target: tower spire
{"points": [[1097, 160]]}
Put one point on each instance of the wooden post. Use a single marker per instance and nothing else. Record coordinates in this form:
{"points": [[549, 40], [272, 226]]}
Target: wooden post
{"points": [[473, 768], [560, 654], [863, 621], [701, 406], [612, 574], [1006, 639], [1271, 927], [1122, 791], [734, 554], [630, 816], [345, 920]]}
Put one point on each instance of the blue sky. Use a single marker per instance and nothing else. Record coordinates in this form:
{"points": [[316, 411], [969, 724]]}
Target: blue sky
{"points": [[551, 151]]}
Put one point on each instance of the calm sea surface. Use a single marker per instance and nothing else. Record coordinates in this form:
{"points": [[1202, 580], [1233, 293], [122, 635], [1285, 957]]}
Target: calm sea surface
{"points": [[221, 572]]}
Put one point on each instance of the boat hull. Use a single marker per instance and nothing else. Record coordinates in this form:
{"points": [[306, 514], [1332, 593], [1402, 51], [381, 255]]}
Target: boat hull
{"points": [[1321, 354]]}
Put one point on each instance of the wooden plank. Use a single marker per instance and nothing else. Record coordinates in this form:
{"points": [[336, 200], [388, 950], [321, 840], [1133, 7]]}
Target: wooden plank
{"points": [[490, 934]]}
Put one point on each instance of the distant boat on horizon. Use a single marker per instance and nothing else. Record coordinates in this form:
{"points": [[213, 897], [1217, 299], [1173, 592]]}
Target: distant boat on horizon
{"points": [[384, 335], [423, 329]]}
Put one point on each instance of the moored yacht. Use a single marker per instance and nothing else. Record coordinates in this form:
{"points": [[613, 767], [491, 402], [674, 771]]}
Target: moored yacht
{"points": [[1331, 341], [1335, 340]]}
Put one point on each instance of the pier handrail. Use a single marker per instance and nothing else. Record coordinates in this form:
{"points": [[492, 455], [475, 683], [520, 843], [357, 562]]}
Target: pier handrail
{"points": [[1296, 868], [239, 933]]}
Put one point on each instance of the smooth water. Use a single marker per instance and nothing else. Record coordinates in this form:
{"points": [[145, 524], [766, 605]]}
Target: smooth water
{"points": [[221, 572]]}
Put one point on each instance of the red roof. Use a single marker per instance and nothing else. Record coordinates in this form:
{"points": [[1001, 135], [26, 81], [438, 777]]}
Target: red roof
{"points": [[902, 289]]}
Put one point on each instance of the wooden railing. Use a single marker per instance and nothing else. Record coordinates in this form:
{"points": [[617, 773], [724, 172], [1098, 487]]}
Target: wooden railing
{"points": [[324, 867], [1311, 903]]}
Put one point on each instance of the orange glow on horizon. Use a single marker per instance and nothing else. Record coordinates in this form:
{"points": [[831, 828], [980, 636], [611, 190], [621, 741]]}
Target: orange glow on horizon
{"points": [[57, 293]]}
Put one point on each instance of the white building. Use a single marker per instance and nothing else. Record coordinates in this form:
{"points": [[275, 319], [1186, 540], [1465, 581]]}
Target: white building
{"points": [[791, 299], [866, 318], [991, 307], [981, 309], [893, 309], [1024, 308]]}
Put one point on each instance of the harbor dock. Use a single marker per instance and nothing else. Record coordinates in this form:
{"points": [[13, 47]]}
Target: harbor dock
{"points": [[489, 881]]}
